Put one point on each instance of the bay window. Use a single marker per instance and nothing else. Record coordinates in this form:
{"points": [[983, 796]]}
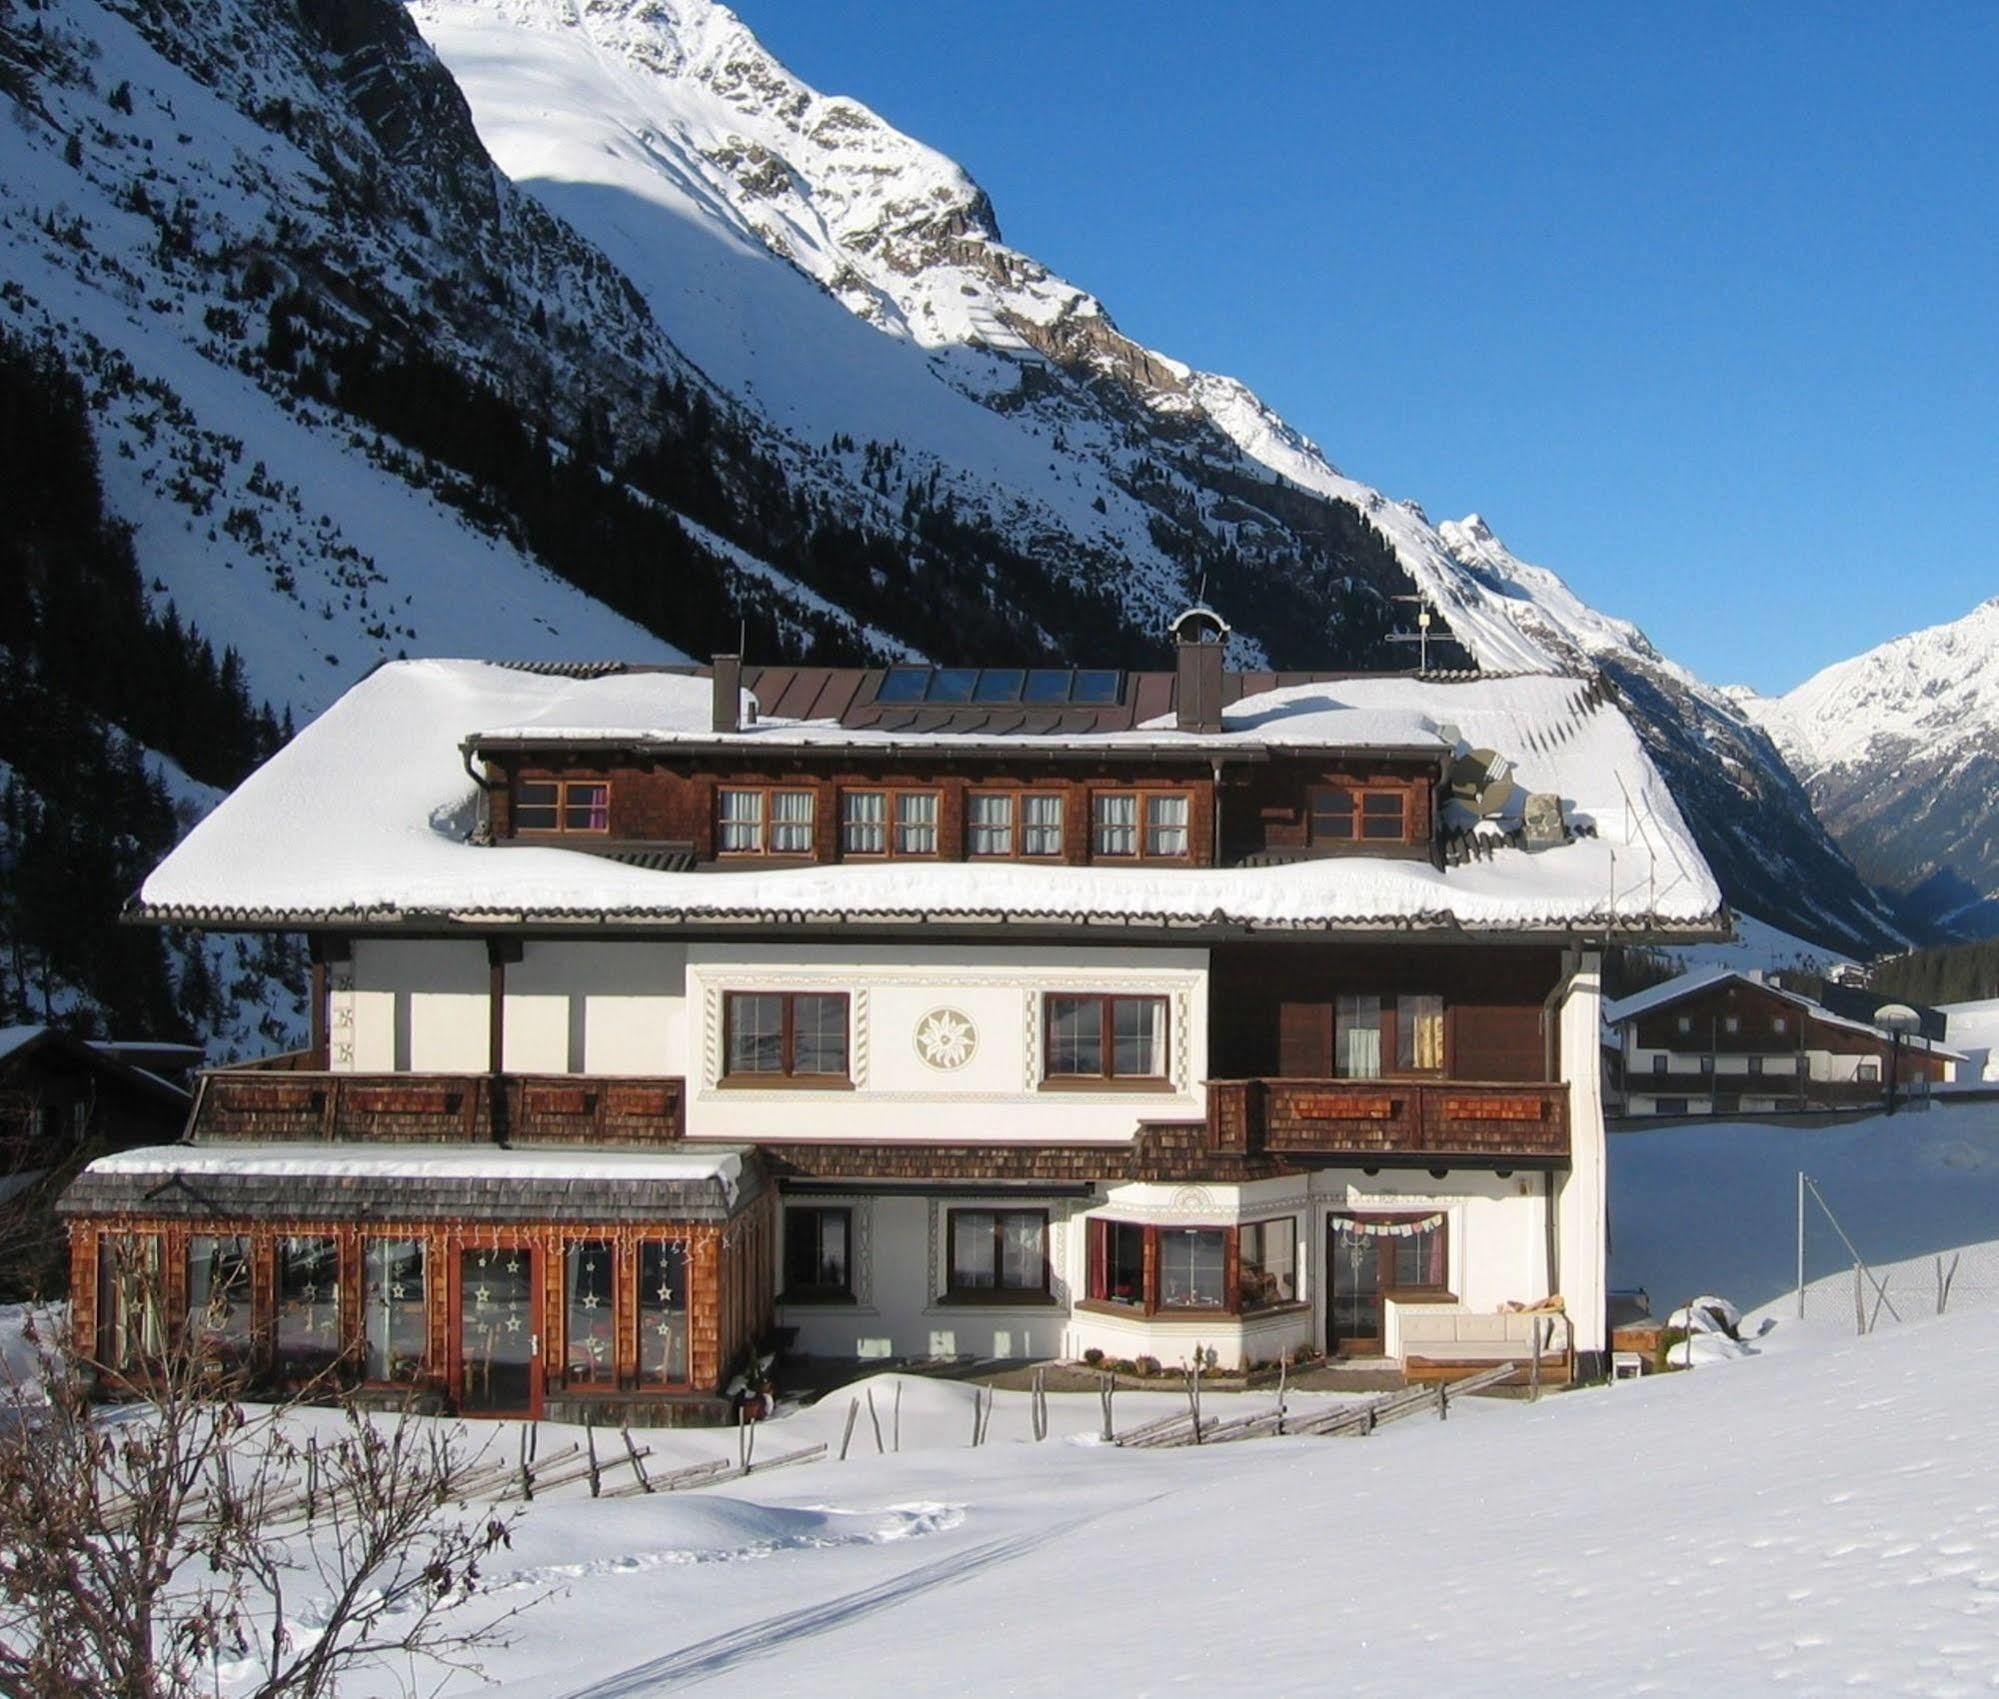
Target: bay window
{"points": [[1193, 1268], [1268, 1258], [1117, 1263]]}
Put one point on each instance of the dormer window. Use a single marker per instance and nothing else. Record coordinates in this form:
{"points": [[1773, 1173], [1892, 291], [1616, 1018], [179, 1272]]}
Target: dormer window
{"points": [[565, 805], [1343, 815]]}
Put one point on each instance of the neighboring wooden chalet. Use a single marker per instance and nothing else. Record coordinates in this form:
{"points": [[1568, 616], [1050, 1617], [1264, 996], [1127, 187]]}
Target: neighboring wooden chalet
{"points": [[1722, 1042], [63, 1101], [918, 1013]]}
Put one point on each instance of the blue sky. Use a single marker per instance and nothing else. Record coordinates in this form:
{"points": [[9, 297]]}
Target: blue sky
{"points": [[1697, 305]]}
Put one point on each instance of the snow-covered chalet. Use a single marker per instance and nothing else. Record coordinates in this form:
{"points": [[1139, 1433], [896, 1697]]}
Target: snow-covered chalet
{"points": [[905, 1013]]}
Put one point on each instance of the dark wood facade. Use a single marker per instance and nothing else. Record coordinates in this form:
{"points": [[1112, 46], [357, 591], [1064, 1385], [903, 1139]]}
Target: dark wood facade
{"points": [[1263, 808]]}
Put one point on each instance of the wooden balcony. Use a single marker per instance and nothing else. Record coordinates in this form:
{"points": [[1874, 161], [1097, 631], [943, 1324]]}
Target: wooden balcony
{"points": [[1411, 1122], [289, 1105]]}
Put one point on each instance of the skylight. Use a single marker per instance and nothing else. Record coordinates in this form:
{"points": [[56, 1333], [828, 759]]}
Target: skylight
{"points": [[1089, 687]]}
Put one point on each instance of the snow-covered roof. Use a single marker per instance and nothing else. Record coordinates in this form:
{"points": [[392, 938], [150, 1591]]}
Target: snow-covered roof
{"points": [[423, 1162], [364, 819], [1686, 985]]}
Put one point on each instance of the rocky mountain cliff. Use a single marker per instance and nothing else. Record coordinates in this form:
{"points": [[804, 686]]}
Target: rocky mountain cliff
{"points": [[581, 327], [1898, 749]]}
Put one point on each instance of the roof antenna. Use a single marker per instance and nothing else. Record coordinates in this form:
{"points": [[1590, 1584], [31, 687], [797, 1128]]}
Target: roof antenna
{"points": [[742, 633]]}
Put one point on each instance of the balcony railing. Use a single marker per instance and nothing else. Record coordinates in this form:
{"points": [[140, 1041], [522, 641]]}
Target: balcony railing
{"points": [[1464, 1120], [289, 1105]]}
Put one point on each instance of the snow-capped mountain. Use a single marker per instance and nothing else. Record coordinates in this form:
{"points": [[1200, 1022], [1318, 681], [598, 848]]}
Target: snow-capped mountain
{"points": [[581, 327], [1899, 750]]}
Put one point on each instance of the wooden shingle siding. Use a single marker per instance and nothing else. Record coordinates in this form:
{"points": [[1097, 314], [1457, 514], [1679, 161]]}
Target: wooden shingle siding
{"points": [[534, 1109]]}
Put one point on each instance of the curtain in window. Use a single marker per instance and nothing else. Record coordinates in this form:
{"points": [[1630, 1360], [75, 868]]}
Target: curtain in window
{"points": [[741, 816], [1357, 1036], [1419, 1025], [916, 823], [1021, 1255], [1116, 815], [586, 808], [791, 823], [864, 816], [974, 1250], [1138, 1037], [1166, 825], [131, 1326], [990, 820], [1042, 834]]}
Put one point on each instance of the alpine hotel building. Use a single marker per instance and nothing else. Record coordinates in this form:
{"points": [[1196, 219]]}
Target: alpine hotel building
{"points": [[905, 1014]]}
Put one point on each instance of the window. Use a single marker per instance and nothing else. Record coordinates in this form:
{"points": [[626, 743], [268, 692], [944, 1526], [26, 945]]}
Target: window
{"points": [[1779, 1023], [308, 1298], [1117, 1262], [1338, 815], [1731, 1023], [1869, 1072], [739, 822], [785, 1035], [864, 822], [395, 1332], [1041, 825], [1114, 820], [817, 1248], [1659, 1063], [989, 824], [662, 1313], [1684, 1023], [741, 817], [130, 1322], [1756, 1064], [997, 1250], [1419, 1034], [1097, 1037], [1357, 1036], [915, 822], [1193, 1264], [1166, 825], [566, 805], [218, 1295], [591, 1358], [791, 822], [1268, 1258]]}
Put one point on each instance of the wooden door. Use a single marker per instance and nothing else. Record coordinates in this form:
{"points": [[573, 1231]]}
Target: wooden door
{"points": [[498, 1301], [1369, 1257]]}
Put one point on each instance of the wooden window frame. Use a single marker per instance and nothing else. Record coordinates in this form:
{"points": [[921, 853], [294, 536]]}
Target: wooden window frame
{"points": [[817, 1293], [604, 1378], [637, 1312], [994, 1295], [1019, 796], [561, 828], [1263, 1224], [1097, 1258], [787, 1044], [887, 851], [426, 1371], [896, 799], [343, 1320], [1107, 1080], [1141, 796], [1358, 795], [767, 822]]}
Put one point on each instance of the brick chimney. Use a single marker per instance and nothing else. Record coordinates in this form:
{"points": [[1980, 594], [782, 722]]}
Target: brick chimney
{"points": [[1200, 641], [728, 693]]}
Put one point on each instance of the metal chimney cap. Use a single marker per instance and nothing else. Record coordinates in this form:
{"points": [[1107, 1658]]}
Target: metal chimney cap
{"points": [[1199, 624]]}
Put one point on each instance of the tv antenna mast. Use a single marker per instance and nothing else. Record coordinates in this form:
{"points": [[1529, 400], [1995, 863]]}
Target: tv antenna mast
{"points": [[1425, 613]]}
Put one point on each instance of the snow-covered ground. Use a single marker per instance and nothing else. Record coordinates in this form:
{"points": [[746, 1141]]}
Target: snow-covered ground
{"points": [[1811, 1520], [1714, 1208]]}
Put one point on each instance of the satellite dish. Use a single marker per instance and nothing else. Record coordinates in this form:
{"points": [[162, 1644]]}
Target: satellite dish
{"points": [[1479, 781]]}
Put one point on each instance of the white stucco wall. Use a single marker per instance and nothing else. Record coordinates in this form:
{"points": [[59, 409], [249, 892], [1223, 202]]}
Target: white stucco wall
{"points": [[1583, 1205]]}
